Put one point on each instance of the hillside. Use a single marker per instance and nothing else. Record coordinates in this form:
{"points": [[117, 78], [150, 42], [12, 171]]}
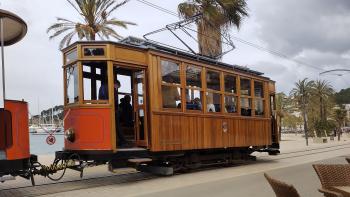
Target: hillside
{"points": [[343, 97]]}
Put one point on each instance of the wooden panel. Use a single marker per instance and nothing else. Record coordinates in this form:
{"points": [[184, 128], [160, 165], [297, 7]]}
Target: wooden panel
{"points": [[131, 56], [92, 129], [20, 130], [178, 132]]}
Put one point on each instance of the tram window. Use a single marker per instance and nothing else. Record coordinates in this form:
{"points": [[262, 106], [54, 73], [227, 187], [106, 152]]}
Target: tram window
{"points": [[245, 87], [230, 84], [246, 106], [170, 72], [258, 89], [259, 107], [94, 51], [95, 84], [213, 80], [193, 99], [213, 102], [171, 96], [193, 76], [72, 84], [230, 104], [71, 56]]}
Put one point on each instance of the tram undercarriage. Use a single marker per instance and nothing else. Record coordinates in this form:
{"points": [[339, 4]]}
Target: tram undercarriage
{"points": [[165, 163]]}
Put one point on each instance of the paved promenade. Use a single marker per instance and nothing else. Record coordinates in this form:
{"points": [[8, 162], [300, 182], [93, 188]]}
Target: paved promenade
{"points": [[98, 181]]}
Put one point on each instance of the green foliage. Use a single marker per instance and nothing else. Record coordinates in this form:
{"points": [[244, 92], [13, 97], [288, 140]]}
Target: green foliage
{"points": [[343, 97], [218, 17], [340, 117], [321, 127], [291, 121], [95, 20]]}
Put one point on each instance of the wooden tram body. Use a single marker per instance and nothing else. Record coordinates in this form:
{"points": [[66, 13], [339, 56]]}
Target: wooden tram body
{"points": [[218, 109]]}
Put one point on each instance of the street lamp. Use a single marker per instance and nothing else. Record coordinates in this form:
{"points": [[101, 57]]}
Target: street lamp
{"points": [[335, 70], [12, 30]]}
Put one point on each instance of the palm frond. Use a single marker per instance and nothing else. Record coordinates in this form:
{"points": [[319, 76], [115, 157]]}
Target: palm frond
{"points": [[57, 33], [65, 39], [116, 7]]}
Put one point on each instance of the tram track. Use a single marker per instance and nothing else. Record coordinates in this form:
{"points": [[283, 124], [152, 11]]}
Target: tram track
{"points": [[100, 181], [307, 152]]}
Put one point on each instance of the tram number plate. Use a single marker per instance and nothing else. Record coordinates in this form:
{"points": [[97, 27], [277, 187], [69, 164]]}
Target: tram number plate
{"points": [[50, 140]]}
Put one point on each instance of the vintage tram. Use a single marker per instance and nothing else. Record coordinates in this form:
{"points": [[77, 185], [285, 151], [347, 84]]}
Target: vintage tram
{"points": [[177, 109], [14, 133]]}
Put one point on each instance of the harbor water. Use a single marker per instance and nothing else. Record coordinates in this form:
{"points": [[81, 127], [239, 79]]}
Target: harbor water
{"points": [[39, 146]]}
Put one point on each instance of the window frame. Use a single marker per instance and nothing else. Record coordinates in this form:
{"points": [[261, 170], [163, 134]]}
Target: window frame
{"points": [[246, 96], [95, 56], [263, 99], [225, 93], [161, 84], [93, 74], [72, 61], [66, 102], [200, 89], [206, 90]]}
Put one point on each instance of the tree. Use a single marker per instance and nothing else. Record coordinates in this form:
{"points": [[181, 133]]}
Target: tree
{"points": [[323, 91], [340, 117], [301, 94], [343, 97], [280, 109], [95, 20], [217, 18]]}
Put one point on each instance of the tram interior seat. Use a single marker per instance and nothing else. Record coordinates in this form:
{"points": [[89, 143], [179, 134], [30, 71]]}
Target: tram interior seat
{"points": [[246, 112]]}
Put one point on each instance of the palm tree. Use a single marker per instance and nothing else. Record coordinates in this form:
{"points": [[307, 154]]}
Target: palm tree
{"points": [[95, 20], [323, 91], [217, 17], [280, 110], [340, 117], [301, 94]]}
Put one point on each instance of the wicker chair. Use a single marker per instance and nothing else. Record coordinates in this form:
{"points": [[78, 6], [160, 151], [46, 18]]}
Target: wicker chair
{"points": [[282, 189], [332, 175], [347, 159]]}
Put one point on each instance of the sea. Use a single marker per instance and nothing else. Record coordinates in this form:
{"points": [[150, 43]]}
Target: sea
{"points": [[38, 145]]}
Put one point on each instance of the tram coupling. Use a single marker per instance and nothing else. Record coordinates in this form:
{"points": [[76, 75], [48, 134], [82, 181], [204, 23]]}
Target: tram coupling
{"points": [[73, 162]]}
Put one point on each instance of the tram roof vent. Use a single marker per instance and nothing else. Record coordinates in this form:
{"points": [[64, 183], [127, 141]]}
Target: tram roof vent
{"points": [[133, 41]]}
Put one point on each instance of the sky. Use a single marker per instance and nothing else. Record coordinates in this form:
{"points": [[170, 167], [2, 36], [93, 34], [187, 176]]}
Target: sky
{"points": [[313, 35]]}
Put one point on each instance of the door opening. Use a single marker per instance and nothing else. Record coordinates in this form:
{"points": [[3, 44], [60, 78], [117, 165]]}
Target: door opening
{"points": [[130, 108]]}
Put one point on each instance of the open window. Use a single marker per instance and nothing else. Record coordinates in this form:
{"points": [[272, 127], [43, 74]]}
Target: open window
{"points": [[95, 82]]}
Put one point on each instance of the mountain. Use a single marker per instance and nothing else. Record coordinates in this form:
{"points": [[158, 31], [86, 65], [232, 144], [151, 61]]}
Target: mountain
{"points": [[343, 97]]}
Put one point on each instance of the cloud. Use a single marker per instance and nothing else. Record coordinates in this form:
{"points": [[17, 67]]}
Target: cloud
{"points": [[292, 26]]}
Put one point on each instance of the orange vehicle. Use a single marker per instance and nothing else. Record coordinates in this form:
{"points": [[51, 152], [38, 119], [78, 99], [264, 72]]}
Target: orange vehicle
{"points": [[14, 132], [136, 99]]}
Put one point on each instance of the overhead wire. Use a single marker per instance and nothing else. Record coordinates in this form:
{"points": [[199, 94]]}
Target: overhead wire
{"points": [[261, 48]]}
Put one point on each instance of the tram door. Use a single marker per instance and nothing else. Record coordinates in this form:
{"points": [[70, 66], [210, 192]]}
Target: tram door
{"points": [[140, 108]]}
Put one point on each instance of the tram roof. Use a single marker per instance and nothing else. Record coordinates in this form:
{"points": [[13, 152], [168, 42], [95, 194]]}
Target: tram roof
{"points": [[149, 45]]}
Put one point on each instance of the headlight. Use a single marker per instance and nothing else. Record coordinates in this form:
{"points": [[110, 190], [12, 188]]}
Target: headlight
{"points": [[69, 135]]}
